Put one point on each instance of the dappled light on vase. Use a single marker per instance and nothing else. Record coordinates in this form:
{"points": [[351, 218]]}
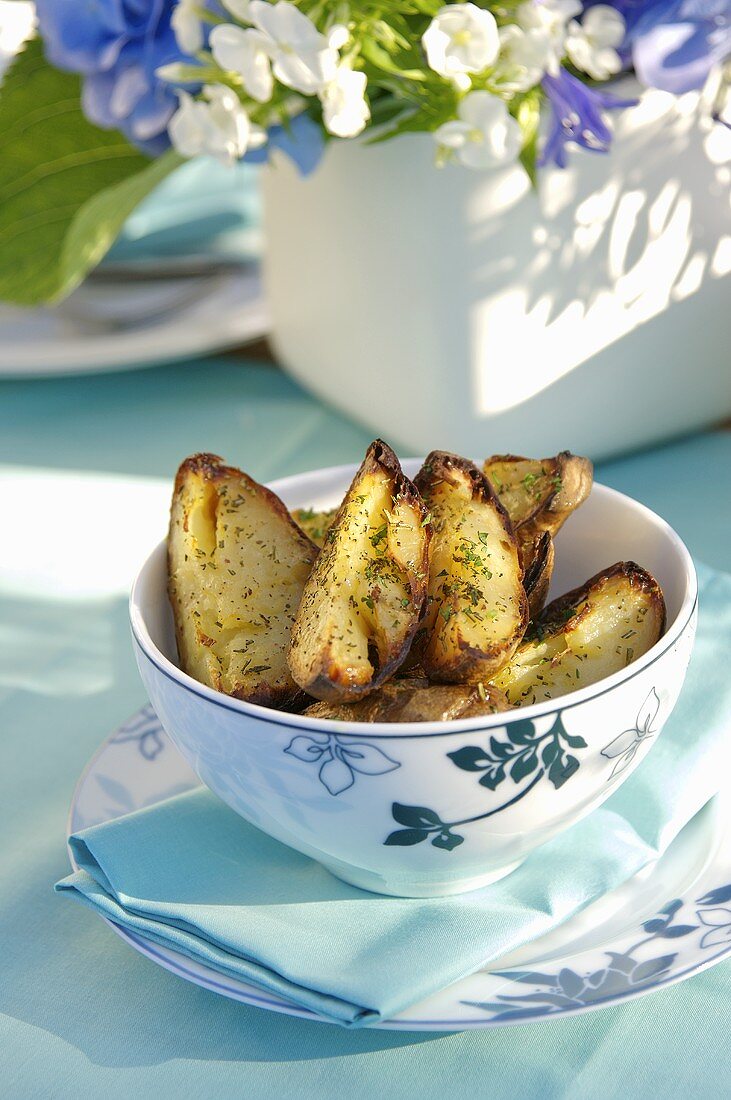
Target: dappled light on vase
{"points": [[607, 251]]}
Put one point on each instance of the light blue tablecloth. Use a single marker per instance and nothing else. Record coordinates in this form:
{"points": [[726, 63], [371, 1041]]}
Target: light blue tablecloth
{"points": [[80, 1013]]}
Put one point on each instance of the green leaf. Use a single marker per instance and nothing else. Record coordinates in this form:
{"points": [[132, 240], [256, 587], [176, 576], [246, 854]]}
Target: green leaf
{"points": [[177, 72], [382, 59], [66, 187], [97, 223], [528, 116], [411, 123]]}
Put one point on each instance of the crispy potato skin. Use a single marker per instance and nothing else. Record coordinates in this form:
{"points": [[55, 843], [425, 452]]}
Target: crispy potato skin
{"points": [[237, 564], [637, 579], [478, 609], [586, 635], [367, 592], [539, 494], [394, 608], [407, 701], [538, 559], [314, 524]]}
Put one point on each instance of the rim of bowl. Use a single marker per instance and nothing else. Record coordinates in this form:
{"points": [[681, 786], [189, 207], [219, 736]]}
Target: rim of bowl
{"points": [[421, 729]]}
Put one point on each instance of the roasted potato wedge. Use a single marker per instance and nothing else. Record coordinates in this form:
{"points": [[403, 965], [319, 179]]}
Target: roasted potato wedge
{"points": [[314, 524], [538, 559], [367, 591], [539, 494], [477, 609], [586, 635], [237, 565], [402, 701]]}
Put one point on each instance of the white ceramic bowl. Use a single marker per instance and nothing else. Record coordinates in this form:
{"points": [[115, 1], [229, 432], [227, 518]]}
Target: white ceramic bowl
{"points": [[391, 808]]}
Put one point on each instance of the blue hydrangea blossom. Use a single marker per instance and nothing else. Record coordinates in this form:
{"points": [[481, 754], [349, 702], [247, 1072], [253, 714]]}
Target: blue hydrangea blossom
{"points": [[116, 46]]}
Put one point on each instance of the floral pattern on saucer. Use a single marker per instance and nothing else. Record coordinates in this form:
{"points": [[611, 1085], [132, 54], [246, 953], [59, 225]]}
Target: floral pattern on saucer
{"points": [[642, 964]]}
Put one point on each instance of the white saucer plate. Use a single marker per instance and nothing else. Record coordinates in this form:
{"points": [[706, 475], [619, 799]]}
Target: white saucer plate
{"points": [[224, 310], [666, 924]]}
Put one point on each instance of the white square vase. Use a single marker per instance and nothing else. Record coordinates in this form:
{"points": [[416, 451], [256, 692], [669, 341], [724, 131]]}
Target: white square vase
{"points": [[463, 310]]}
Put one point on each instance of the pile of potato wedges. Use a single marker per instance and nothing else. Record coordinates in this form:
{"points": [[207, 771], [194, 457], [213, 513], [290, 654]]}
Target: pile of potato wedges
{"points": [[412, 601]]}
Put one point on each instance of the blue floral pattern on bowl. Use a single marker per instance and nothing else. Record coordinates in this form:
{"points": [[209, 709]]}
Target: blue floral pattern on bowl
{"points": [[145, 730], [624, 748], [526, 752], [523, 756], [340, 759]]}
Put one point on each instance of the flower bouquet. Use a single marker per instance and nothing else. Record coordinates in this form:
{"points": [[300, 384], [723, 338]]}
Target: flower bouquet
{"points": [[107, 100], [438, 226]]}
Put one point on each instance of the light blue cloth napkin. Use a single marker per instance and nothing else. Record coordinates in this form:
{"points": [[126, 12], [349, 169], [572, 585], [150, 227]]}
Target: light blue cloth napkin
{"points": [[202, 209], [191, 874]]}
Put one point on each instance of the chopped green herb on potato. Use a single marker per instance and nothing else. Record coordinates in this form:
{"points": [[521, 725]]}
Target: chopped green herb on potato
{"points": [[586, 635], [478, 610], [237, 565], [367, 591]]}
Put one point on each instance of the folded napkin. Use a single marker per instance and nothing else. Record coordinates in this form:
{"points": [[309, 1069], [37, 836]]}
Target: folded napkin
{"points": [[203, 209], [190, 874]]}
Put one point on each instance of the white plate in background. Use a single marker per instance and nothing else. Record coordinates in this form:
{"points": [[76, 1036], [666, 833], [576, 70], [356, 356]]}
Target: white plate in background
{"points": [[221, 309], [228, 309]]}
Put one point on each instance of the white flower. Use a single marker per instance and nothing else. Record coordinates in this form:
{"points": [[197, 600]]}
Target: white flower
{"points": [[302, 57], [337, 36], [344, 109], [238, 8], [187, 26], [524, 58], [461, 38], [217, 125], [484, 135], [591, 44], [244, 52], [551, 17]]}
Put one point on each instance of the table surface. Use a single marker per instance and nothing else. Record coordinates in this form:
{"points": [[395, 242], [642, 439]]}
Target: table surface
{"points": [[80, 1012]]}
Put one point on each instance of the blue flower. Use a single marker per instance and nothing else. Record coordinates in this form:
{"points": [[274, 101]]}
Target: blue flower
{"points": [[116, 45], [301, 140], [577, 117], [340, 759], [673, 44]]}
